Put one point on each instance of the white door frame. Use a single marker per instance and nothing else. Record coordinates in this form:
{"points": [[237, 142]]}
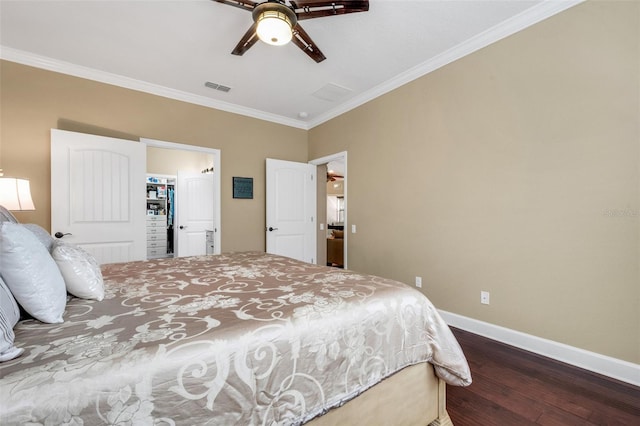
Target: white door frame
{"points": [[217, 222], [342, 156]]}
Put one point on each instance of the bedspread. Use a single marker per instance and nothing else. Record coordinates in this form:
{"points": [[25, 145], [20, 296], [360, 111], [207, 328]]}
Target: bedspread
{"points": [[244, 338]]}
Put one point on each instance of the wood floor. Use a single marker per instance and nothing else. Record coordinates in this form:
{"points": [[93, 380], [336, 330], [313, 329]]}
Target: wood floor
{"points": [[514, 387]]}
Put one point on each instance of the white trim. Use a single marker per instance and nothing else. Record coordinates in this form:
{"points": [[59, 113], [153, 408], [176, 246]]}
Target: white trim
{"points": [[329, 158], [180, 146], [612, 367], [55, 65], [342, 156], [511, 26], [504, 29], [216, 180]]}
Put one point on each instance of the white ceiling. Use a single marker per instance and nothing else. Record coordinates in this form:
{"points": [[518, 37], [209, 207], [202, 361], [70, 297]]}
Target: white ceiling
{"points": [[171, 48]]}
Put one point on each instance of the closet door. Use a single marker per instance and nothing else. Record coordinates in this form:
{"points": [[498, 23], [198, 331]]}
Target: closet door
{"points": [[98, 194], [194, 204]]}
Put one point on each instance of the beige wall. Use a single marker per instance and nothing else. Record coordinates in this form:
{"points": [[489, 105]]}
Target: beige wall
{"points": [[514, 170], [33, 101], [167, 161]]}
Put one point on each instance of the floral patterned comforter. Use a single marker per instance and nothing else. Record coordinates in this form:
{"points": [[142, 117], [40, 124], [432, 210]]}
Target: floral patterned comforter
{"points": [[238, 339]]}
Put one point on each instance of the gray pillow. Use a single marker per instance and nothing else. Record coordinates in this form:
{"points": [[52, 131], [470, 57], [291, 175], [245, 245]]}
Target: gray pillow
{"points": [[45, 238], [9, 316], [7, 216]]}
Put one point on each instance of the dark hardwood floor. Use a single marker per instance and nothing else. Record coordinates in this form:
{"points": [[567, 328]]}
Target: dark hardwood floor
{"points": [[515, 387]]}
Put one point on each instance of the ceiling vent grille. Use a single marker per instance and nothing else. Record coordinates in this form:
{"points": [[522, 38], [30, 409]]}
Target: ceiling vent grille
{"points": [[332, 92], [216, 86]]}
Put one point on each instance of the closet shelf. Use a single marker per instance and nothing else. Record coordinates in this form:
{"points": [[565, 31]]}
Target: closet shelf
{"points": [[160, 216]]}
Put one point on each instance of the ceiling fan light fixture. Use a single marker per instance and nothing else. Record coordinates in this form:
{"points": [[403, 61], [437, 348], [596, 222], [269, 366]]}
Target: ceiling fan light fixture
{"points": [[275, 23]]}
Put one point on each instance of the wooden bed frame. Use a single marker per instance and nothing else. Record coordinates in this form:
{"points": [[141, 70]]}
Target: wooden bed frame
{"points": [[412, 396]]}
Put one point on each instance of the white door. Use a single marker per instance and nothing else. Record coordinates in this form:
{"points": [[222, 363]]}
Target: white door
{"points": [[98, 194], [291, 209], [194, 212]]}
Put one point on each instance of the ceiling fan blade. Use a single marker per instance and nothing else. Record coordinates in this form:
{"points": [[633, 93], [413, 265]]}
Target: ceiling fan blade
{"points": [[304, 42], [307, 9], [242, 4], [248, 39]]}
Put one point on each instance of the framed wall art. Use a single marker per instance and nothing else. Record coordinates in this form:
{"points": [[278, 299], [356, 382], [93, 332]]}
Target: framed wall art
{"points": [[243, 187]]}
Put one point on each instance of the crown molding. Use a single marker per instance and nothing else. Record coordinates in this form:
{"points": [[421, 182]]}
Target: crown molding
{"points": [[504, 29], [43, 62]]}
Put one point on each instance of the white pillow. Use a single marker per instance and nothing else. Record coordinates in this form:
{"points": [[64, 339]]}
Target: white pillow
{"points": [[9, 316], [31, 274], [80, 271]]}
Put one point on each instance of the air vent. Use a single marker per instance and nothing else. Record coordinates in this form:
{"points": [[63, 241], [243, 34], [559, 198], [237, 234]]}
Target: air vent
{"points": [[217, 86], [332, 92]]}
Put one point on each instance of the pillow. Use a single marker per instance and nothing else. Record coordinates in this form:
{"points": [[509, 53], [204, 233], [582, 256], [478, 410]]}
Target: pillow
{"points": [[31, 274], [7, 216], [9, 316], [80, 270], [45, 238]]}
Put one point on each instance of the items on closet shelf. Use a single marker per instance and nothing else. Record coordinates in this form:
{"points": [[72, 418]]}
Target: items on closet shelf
{"points": [[170, 216], [160, 214], [171, 206]]}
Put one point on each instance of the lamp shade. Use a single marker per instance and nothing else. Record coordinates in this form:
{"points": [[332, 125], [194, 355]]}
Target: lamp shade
{"points": [[15, 194]]}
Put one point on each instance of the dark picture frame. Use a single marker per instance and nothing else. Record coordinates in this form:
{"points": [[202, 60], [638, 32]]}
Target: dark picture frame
{"points": [[243, 187]]}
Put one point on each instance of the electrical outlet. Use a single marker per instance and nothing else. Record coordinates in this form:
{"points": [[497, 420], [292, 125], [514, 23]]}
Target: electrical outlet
{"points": [[484, 297], [419, 282]]}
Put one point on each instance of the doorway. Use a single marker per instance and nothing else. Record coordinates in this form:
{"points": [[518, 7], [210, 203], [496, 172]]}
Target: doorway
{"points": [[169, 158], [332, 209]]}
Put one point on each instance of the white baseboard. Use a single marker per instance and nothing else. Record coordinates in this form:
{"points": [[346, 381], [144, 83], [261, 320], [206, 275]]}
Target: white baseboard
{"points": [[612, 367]]}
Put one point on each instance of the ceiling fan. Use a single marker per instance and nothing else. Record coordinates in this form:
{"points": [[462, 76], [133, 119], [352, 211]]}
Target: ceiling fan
{"points": [[276, 23], [333, 176]]}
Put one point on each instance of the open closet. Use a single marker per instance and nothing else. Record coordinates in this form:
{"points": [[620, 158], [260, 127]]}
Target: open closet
{"points": [[181, 200], [115, 218], [160, 216]]}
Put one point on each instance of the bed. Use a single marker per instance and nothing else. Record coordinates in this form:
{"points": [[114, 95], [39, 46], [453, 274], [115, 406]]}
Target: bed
{"points": [[235, 339]]}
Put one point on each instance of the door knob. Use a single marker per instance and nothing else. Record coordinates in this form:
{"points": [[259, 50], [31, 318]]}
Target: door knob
{"points": [[272, 229], [182, 227], [60, 234]]}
